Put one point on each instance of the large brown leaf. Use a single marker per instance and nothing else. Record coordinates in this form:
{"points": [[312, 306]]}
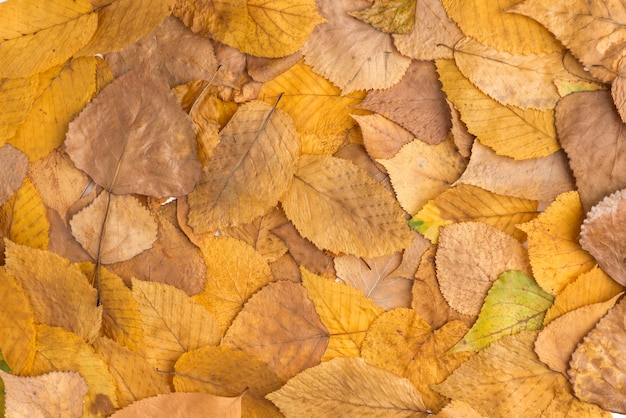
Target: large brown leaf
{"points": [[149, 144]]}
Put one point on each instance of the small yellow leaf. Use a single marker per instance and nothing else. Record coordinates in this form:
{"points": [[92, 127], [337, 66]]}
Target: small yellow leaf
{"points": [[555, 255], [235, 271], [59, 292], [61, 350], [529, 133], [173, 323], [254, 27], [367, 220], [468, 203], [345, 311], [35, 36]]}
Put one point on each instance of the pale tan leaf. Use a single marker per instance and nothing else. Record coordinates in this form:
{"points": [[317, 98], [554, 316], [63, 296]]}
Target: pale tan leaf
{"points": [[183, 405], [13, 171], [382, 138], [618, 90]]}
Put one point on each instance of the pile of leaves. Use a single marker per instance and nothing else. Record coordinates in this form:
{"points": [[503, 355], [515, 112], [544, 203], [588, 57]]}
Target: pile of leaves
{"points": [[333, 208]]}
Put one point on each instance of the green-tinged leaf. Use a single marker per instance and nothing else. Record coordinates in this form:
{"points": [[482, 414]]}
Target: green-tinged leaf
{"points": [[391, 16], [514, 304]]}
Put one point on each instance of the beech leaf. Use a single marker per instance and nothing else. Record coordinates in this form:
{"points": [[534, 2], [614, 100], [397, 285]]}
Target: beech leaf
{"points": [[149, 147]]}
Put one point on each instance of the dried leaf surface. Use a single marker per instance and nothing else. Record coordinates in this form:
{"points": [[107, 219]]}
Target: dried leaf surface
{"points": [[391, 16], [466, 271], [382, 138], [183, 405], [329, 389], [16, 98], [618, 91], [367, 221], [279, 326], [13, 171]]}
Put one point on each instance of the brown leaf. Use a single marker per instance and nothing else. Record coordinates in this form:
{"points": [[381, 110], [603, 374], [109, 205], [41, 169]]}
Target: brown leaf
{"points": [[618, 90], [588, 121], [382, 138], [52, 394], [13, 171], [253, 165], [129, 228], [279, 326], [183, 405], [174, 49], [416, 103], [149, 146], [603, 235]]}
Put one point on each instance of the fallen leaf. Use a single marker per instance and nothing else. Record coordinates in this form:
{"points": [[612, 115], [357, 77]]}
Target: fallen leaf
{"points": [[183, 405], [345, 312], [553, 249], [18, 332], [178, 53], [115, 30], [601, 235], [367, 221], [235, 271], [12, 173], [515, 303], [173, 323], [618, 91], [52, 394], [382, 138], [537, 178], [16, 97], [224, 371], [597, 366], [433, 35], [557, 341], [469, 203], [466, 272], [147, 129], [263, 69], [335, 51], [588, 121], [35, 38], [356, 153], [251, 168], [489, 23], [252, 26], [348, 387], [458, 409], [462, 138], [416, 103], [114, 228], [279, 326], [391, 16], [530, 132], [593, 286], [433, 167], [411, 257]]}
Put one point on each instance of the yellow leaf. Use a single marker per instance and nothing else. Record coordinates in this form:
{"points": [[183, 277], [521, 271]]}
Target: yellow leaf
{"points": [[345, 311], [250, 169], [18, 325], [433, 168], [59, 292], [254, 27], [555, 255], [115, 28], [529, 133], [348, 387], [128, 228], [16, 98], [235, 271], [35, 36], [224, 371], [23, 218], [172, 323], [134, 377], [64, 91], [183, 405], [468, 203], [594, 286], [391, 16], [321, 114], [60, 350], [367, 220], [488, 22], [57, 394]]}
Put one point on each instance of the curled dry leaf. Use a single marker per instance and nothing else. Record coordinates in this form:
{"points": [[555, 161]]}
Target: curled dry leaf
{"points": [[603, 235], [588, 121], [13, 171], [466, 271], [183, 405], [149, 147], [35, 38], [128, 228], [279, 326], [336, 50], [251, 168], [329, 389], [52, 394], [416, 103]]}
